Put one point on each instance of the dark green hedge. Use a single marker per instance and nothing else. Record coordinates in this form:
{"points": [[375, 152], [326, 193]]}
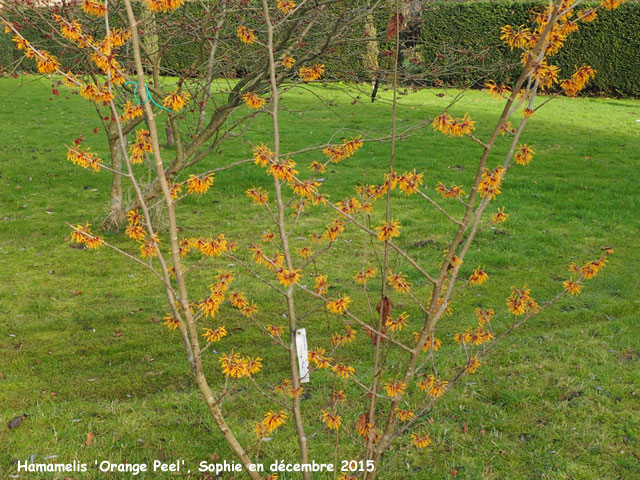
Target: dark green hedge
{"points": [[459, 45], [468, 34]]}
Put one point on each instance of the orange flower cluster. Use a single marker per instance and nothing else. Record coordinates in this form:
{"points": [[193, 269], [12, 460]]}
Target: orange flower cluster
{"points": [[578, 80], [200, 185], [409, 182], [176, 100], [474, 337], [131, 111], [84, 158], [343, 371], [271, 421], [404, 415], [246, 35], [259, 196], [491, 182], [339, 306], [283, 170], [140, 146], [590, 269], [149, 248], [520, 301], [362, 277], [215, 334], [333, 230], [164, 5], [484, 316], [135, 230], [388, 230], [317, 357], [434, 387], [315, 72], [398, 323], [395, 388], [478, 277], [335, 153], [96, 93], [546, 74], [275, 330], [286, 6], [572, 287], [454, 127], [497, 91], [399, 282], [94, 8], [430, 342], [321, 284], [454, 191], [212, 247], [288, 62], [499, 216], [252, 100], [82, 234], [341, 339], [171, 322], [331, 419], [420, 440], [236, 366], [289, 277], [524, 154]]}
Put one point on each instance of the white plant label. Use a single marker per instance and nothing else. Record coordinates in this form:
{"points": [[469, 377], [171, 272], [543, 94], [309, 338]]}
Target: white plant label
{"points": [[303, 354]]}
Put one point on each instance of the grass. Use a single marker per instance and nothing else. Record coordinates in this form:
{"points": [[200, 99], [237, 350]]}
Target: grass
{"points": [[82, 348]]}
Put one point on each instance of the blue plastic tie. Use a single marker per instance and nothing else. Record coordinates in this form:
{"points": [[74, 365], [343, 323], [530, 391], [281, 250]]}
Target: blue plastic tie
{"points": [[135, 94]]}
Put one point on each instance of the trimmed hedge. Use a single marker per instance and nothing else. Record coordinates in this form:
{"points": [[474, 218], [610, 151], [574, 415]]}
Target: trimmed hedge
{"points": [[610, 44]]}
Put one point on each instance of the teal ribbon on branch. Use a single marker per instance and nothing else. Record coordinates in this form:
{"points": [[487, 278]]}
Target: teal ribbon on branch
{"points": [[135, 95]]}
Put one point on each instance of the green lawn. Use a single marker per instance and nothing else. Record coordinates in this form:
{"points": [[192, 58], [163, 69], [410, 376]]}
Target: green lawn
{"points": [[82, 348]]}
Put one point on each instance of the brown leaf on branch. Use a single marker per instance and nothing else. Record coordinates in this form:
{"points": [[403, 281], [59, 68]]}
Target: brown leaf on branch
{"points": [[394, 25], [384, 307]]}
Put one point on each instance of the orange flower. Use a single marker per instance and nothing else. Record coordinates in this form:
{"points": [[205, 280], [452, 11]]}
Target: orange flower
{"points": [[497, 91], [199, 185], [399, 282], [404, 415], [288, 62], [342, 370], [214, 335], [286, 6], [421, 440], [331, 419], [524, 154], [176, 101], [287, 277], [573, 288], [397, 323], [314, 72], [252, 100], [339, 306], [273, 420], [246, 35], [499, 217], [82, 234], [478, 277], [171, 322], [395, 388], [386, 230], [96, 9]]}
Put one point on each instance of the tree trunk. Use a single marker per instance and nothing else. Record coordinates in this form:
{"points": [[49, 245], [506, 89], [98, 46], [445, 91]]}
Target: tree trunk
{"points": [[117, 214]]}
